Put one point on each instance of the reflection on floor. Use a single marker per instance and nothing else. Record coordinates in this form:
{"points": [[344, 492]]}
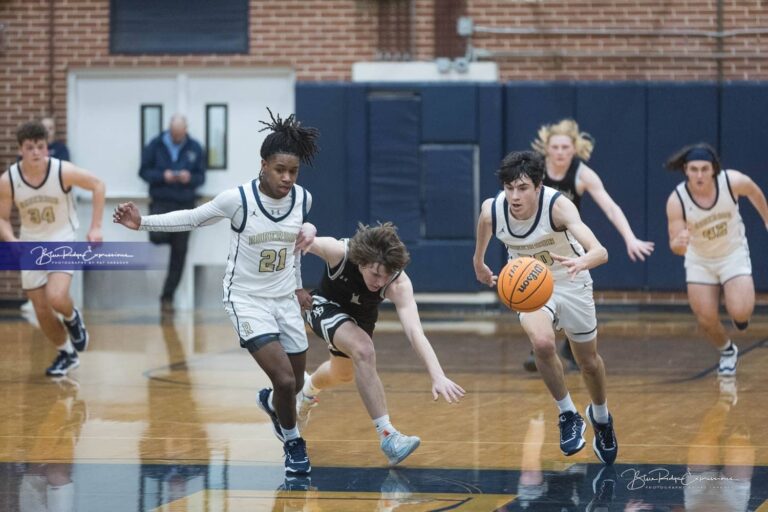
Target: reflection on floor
{"points": [[162, 416]]}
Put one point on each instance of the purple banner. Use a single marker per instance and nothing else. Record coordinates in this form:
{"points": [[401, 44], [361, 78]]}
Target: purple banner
{"points": [[81, 256]]}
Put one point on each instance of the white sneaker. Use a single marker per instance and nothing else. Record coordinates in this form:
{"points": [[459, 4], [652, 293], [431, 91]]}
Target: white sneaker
{"points": [[304, 405], [397, 447], [728, 360]]}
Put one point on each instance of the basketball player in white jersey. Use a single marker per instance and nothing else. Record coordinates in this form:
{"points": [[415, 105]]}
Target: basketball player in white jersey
{"points": [[262, 281], [566, 150], [41, 188], [705, 226], [537, 221], [360, 274]]}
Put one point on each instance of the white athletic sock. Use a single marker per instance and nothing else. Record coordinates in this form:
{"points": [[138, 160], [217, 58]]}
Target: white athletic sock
{"points": [[566, 404], [67, 347], [74, 314], [600, 412], [289, 434], [269, 401], [309, 390], [383, 426], [725, 347]]}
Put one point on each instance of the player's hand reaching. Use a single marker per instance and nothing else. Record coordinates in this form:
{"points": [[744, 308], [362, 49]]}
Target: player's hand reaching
{"points": [[304, 298], [681, 241], [639, 249], [306, 237], [485, 275], [94, 235], [128, 215], [573, 265], [449, 390]]}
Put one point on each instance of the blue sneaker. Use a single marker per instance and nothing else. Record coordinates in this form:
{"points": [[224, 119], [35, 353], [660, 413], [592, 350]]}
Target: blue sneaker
{"points": [[296, 458], [397, 446], [572, 429], [605, 445], [77, 332], [263, 403]]}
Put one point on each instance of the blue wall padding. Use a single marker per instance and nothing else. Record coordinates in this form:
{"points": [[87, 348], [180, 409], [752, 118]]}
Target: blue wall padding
{"points": [[615, 116], [678, 114], [440, 266], [379, 160], [357, 185], [448, 191], [491, 114], [394, 169], [743, 148], [444, 125], [532, 104]]}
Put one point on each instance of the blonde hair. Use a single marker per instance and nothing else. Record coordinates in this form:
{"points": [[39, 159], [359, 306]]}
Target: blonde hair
{"points": [[582, 141]]}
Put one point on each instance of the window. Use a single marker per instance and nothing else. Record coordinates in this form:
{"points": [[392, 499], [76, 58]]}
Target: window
{"points": [[395, 30], [151, 123], [216, 135], [178, 26]]}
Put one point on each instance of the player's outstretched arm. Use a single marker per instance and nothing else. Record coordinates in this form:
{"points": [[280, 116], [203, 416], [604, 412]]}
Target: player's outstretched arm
{"points": [[128, 215], [329, 249], [636, 249], [565, 214], [483, 273], [400, 292]]}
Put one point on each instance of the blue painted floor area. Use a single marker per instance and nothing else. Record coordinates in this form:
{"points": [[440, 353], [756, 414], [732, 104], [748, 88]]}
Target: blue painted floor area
{"points": [[92, 487]]}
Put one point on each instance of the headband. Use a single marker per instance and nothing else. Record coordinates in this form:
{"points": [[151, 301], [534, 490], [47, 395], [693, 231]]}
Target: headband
{"points": [[700, 154]]}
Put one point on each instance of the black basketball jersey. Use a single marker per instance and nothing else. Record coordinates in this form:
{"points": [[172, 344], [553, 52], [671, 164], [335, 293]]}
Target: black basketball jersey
{"points": [[567, 185], [344, 285]]}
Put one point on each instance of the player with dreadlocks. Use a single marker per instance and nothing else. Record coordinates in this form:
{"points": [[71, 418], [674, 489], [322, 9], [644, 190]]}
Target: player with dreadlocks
{"points": [[263, 278]]}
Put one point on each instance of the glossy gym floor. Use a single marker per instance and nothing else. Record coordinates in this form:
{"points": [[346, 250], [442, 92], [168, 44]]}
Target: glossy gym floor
{"points": [[161, 415]]}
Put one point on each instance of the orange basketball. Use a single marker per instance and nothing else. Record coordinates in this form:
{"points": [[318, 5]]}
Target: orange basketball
{"points": [[525, 284]]}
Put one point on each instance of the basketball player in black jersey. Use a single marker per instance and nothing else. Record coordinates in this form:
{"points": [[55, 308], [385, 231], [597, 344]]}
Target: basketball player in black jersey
{"points": [[360, 274], [566, 150]]}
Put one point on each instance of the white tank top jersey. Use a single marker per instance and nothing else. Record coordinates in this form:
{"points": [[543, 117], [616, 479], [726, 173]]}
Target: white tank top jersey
{"points": [[47, 211], [261, 259], [717, 231], [536, 237]]}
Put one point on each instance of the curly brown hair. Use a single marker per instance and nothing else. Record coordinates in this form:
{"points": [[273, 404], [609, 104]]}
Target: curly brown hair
{"points": [[379, 244], [33, 130]]}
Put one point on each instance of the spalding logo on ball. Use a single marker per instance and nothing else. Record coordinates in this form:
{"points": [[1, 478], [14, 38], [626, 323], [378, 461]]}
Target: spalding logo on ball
{"points": [[525, 284]]}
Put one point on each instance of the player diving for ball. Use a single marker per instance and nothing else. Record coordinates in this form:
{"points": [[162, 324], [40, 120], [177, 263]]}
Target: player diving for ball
{"points": [[537, 221]]}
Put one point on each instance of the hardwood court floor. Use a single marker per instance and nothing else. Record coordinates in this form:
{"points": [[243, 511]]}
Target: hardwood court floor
{"points": [[161, 415]]}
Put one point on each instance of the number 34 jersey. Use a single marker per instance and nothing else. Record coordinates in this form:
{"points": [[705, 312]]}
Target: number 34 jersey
{"points": [[261, 253], [716, 231], [536, 237], [47, 211]]}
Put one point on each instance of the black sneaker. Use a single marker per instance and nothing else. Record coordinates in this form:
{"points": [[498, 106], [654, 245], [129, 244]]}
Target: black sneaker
{"points": [[77, 332], [572, 429], [604, 489], [605, 445], [263, 402], [63, 363], [296, 458], [530, 363]]}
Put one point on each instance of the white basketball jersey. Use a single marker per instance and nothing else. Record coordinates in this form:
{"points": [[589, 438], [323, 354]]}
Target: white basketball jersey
{"points": [[536, 237], [47, 211], [716, 231], [261, 259]]}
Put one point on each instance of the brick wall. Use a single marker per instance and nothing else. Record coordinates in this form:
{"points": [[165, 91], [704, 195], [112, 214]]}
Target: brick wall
{"points": [[321, 39]]}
